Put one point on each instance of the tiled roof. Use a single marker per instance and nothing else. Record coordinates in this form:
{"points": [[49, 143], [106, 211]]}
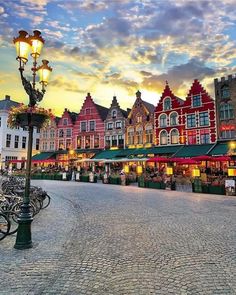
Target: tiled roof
{"points": [[149, 106], [6, 104], [102, 111]]}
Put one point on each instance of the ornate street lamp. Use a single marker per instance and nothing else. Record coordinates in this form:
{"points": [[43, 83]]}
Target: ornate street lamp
{"points": [[24, 43]]}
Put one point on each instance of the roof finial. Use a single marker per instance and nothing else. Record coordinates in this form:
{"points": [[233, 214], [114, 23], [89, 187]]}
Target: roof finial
{"points": [[166, 82]]}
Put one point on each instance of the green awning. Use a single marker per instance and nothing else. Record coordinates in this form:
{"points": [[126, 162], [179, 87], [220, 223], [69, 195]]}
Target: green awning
{"points": [[189, 151], [44, 156], [220, 149], [108, 154]]}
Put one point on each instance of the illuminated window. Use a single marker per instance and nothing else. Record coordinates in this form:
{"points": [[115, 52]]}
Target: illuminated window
{"points": [[139, 135], [174, 135], [79, 141], [192, 137], [96, 141], [163, 137]]}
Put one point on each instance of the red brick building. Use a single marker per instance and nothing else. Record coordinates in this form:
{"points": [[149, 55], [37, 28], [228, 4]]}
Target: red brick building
{"points": [[192, 121], [89, 129], [199, 116], [168, 119]]}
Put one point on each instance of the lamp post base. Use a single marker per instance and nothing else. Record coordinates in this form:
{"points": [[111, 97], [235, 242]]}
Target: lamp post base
{"points": [[23, 238]]}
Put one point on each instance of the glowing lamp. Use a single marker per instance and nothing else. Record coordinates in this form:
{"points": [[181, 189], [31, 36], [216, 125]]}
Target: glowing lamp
{"points": [[139, 169], [126, 168], [196, 172], [44, 72], [71, 152], [231, 171], [169, 170], [36, 44], [22, 44]]}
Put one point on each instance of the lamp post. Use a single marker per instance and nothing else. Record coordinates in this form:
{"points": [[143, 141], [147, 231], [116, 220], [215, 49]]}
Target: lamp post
{"points": [[24, 43]]}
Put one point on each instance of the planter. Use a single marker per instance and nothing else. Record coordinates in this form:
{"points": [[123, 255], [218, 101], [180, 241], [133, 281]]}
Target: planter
{"points": [[205, 189], [84, 178], [217, 190], [156, 185], [30, 119]]}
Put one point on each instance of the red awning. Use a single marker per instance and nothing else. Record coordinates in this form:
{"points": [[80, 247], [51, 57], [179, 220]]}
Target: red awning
{"points": [[203, 158], [222, 158], [159, 159], [188, 162]]}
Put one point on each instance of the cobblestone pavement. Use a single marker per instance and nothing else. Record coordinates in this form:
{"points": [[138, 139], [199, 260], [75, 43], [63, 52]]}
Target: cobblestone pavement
{"points": [[104, 239]]}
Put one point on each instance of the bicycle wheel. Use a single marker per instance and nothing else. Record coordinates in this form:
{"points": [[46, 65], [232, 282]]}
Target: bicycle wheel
{"points": [[46, 201], [13, 218], [4, 226]]}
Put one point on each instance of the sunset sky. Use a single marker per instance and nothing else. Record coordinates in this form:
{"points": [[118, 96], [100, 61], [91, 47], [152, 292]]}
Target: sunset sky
{"points": [[116, 47]]}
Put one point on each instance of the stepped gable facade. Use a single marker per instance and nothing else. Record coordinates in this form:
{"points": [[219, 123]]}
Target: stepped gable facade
{"points": [[140, 124], [115, 126], [199, 116], [89, 129], [169, 126], [65, 128]]}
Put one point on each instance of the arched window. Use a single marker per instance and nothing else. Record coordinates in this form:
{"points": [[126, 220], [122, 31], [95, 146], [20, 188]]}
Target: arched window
{"points": [[148, 133], [139, 134], [224, 92], [163, 137], [226, 111], [167, 104], [174, 135], [131, 135], [163, 120], [173, 119]]}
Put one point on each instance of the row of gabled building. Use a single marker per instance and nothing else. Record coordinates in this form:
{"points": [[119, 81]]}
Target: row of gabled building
{"points": [[171, 124], [172, 121]]}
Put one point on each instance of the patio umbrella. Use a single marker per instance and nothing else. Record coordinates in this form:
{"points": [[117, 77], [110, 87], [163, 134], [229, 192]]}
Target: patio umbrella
{"points": [[177, 160], [188, 162], [159, 159]]}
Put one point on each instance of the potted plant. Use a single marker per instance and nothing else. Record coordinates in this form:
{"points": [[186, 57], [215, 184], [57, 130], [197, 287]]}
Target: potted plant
{"points": [[24, 115]]}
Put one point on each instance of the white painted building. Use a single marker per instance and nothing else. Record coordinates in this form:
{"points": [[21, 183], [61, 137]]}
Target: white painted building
{"points": [[14, 142]]}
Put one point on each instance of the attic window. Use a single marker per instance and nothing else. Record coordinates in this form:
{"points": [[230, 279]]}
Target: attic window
{"points": [[65, 122], [114, 114], [87, 111], [167, 104]]}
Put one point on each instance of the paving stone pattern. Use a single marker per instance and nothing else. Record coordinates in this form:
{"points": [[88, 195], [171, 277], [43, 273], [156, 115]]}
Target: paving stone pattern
{"points": [[108, 239]]}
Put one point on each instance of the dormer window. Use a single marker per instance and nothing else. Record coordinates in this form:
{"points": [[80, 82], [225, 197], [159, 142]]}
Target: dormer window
{"points": [[114, 114], [167, 104], [196, 100]]}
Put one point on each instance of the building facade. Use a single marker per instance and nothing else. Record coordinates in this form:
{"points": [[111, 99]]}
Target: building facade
{"points": [[169, 127], [14, 142], [199, 116], [115, 126], [48, 137], [89, 128], [65, 128], [140, 124], [225, 94]]}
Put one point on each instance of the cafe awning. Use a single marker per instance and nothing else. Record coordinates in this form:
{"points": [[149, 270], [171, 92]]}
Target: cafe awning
{"points": [[220, 149], [44, 156], [189, 151]]}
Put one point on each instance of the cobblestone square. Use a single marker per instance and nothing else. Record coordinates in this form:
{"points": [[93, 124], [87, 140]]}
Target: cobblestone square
{"points": [[108, 239]]}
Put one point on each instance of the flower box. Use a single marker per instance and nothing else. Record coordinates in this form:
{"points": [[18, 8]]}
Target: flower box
{"points": [[30, 119]]}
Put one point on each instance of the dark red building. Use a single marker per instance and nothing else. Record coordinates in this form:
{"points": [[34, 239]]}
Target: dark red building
{"points": [[169, 126], [192, 121], [199, 116]]}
